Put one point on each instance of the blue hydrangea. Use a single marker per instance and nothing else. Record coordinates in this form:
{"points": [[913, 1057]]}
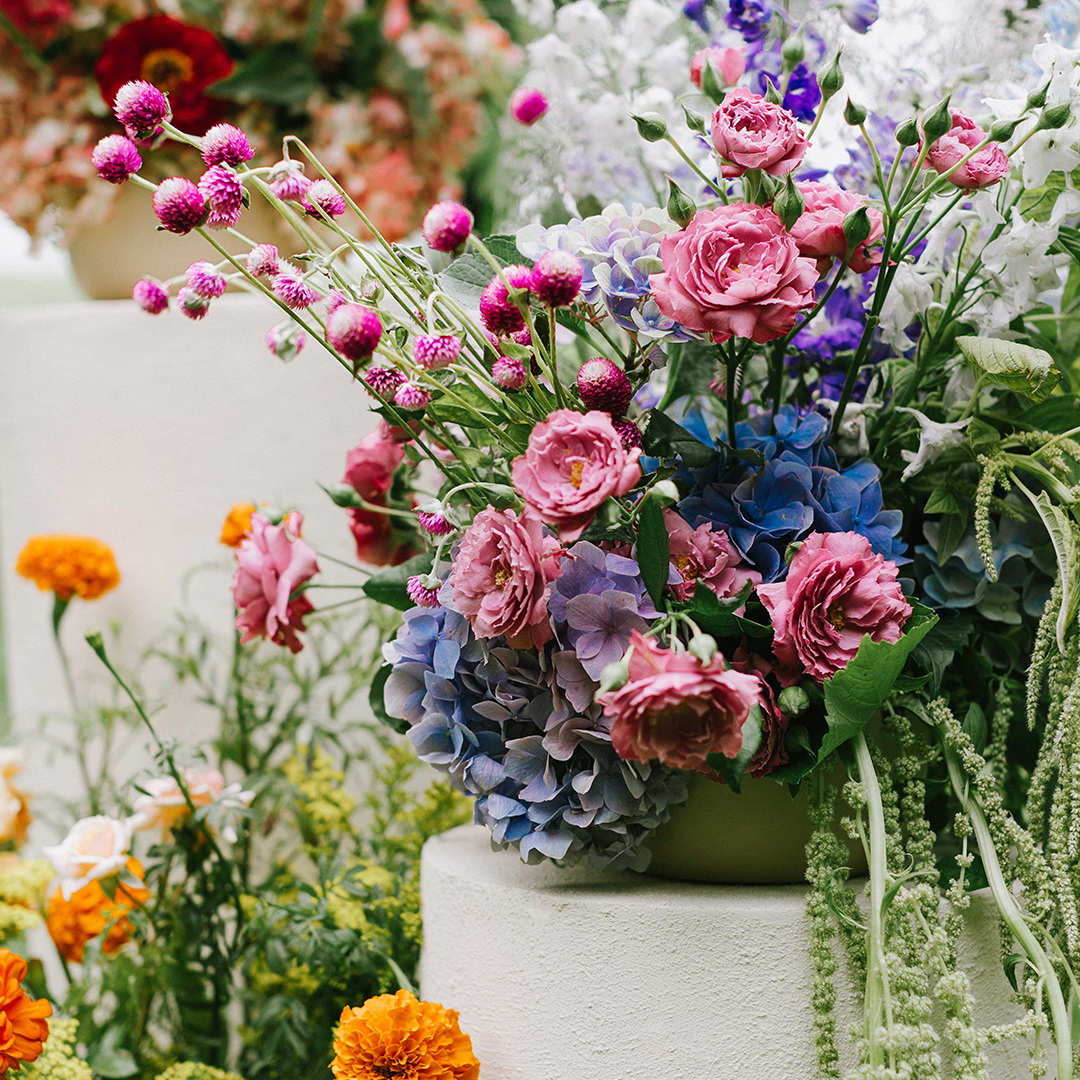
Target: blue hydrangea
{"points": [[799, 490], [542, 771], [750, 18]]}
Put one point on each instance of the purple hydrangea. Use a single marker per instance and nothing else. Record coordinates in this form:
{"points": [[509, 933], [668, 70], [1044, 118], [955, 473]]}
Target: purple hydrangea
{"points": [[542, 771], [750, 18]]}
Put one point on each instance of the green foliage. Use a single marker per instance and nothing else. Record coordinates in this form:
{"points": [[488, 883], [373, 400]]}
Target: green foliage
{"points": [[653, 549], [731, 770], [280, 74]]}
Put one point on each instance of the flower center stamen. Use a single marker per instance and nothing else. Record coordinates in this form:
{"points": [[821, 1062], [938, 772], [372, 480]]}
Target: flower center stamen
{"points": [[167, 68], [576, 469], [502, 576], [687, 567], [835, 615]]}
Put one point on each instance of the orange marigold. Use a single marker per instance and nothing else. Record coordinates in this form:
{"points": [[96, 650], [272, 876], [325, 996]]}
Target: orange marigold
{"points": [[396, 1037], [69, 566], [23, 1027], [75, 922], [237, 524]]}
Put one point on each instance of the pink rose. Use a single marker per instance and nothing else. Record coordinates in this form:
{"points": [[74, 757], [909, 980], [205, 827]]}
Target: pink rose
{"points": [[819, 232], [774, 724], [370, 467], [836, 592], [705, 554], [500, 577], [573, 463], [986, 167], [729, 64], [272, 562], [677, 709], [734, 271], [752, 133]]}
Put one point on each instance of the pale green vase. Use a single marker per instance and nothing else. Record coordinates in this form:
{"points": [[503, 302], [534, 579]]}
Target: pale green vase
{"points": [[756, 838]]}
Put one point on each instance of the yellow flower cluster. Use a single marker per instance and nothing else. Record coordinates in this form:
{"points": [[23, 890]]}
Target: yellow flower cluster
{"points": [[194, 1070], [59, 1060], [22, 892], [324, 803], [69, 566]]}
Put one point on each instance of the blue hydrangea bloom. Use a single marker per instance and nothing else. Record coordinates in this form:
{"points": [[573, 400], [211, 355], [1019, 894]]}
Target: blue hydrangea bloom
{"points": [[542, 770], [749, 17]]}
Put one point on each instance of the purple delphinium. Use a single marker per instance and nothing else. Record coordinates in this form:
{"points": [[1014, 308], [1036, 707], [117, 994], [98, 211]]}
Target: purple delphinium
{"points": [[695, 10], [765, 65], [750, 18], [860, 15]]}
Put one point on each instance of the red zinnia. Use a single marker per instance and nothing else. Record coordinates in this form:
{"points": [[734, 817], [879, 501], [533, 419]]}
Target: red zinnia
{"points": [[178, 59], [38, 19]]}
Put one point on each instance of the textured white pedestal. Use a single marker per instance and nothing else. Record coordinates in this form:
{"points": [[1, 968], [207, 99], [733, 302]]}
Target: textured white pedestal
{"points": [[562, 975]]}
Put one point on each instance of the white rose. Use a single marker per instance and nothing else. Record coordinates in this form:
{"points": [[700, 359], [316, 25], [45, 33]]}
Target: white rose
{"points": [[95, 848]]}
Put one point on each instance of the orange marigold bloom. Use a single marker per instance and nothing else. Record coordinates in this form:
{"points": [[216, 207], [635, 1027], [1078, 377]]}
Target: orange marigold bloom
{"points": [[23, 1027], [75, 922], [237, 524], [69, 566], [396, 1037]]}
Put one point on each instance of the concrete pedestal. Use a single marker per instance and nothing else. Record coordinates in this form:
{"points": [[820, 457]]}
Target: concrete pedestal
{"points": [[565, 975]]}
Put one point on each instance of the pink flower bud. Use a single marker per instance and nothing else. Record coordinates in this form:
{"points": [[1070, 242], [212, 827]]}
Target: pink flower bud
{"points": [[285, 341], [603, 386], [497, 311], [729, 64], [628, 432], [287, 180], [116, 157], [140, 106], [436, 351], [527, 105], [289, 285], [225, 144], [434, 522], [335, 300], [179, 205], [323, 195], [354, 331], [205, 281], [262, 260], [509, 373], [383, 381], [410, 396], [151, 296], [556, 278], [221, 188], [447, 226], [192, 304], [421, 594]]}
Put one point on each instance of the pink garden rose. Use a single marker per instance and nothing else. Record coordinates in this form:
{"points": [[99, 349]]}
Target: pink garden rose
{"points": [[573, 463], [836, 592], [272, 562], [370, 467], [677, 709], [729, 64], [705, 554], [752, 133], [774, 724], [987, 167], [500, 577], [819, 232], [734, 271]]}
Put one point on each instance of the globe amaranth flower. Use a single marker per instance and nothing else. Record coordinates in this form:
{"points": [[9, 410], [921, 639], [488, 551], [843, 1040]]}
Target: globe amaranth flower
{"points": [[69, 566], [323, 196], [286, 340], [179, 205], [262, 260], [354, 331], [734, 271], [435, 351], [290, 285], [604, 386], [22, 1019], [676, 709], [116, 158], [509, 373], [396, 1035], [179, 59], [750, 18], [220, 186], [556, 278], [151, 296], [527, 105], [205, 280], [498, 311], [191, 304], [544, 775], [287, 180], [836, 592], [447, 226], [140, 106], [749, 132], [619, 249], [225, 144]]}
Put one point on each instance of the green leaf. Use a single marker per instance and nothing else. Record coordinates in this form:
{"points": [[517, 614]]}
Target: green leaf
{"points": [[280, 74], [691, 367], [980, 433], [952, 529], [975, 727], [377, 700], [110, 1059], [716, 616], [464, 279], [388, 587], [1057, 414], [1038, 203], [653, 549], [1063, 536], [1017, 367], [731, 770], [1011, 963], [663, 438], [943, 501], [854, 694], [365, 48]]}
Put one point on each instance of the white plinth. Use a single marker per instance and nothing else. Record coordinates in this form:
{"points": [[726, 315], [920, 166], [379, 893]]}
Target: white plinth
{"points": [[562, 975]]}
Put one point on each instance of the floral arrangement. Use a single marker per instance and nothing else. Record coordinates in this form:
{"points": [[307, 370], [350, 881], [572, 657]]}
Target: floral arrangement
{"points": [[774, 479], [396, 96], [266, 926]]}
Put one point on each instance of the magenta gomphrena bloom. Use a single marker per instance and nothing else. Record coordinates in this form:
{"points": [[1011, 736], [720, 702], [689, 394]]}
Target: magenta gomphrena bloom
{"points": [[322, 195], [192, 304], [433, 351], [354, 331], [509, 373], [497, 311], [203, 278], [291, 288], [262, 260], [179, 205], [220, 186], [527, 105], [447, 226], [383, 381], [116, 157], [410, 396], [629, 433], [225, 144], [556, 278], [140, 106], [284, 341], [603, 386], [335, 300], [434, 520], [523, 337], [287, 180], [421, 594], [151, 296]]}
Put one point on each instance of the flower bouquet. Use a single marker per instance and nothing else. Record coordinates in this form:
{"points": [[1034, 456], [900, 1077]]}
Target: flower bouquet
{"points": [[774, 483]]}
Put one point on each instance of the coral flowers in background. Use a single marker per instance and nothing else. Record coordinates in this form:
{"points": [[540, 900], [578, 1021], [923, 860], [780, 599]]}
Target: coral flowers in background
{"points": [[14, 807], [396, 1037], [23, 1024], [237, 524], [69, 566]]}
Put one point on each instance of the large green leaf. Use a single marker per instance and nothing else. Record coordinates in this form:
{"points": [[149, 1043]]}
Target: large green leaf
{"points": [[465, 278], [731, 770], [388, 586], [663, 438], [377, 700], [854, 694], [717, 617], [653, 549], [1020, 368], [280, 74]]}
